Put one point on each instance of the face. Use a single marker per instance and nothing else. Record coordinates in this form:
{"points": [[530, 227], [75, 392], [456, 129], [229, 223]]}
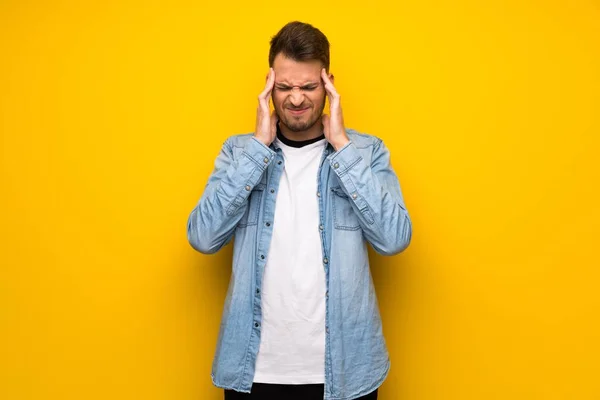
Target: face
{"points": [[298, 94]]}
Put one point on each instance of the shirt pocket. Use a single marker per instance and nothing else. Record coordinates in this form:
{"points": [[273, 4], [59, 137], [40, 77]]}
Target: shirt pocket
{"points": [[344, 216], [250, 216]]}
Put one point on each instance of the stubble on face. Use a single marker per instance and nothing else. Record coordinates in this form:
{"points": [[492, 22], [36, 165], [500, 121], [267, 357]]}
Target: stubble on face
{"points": [[301, 123]]}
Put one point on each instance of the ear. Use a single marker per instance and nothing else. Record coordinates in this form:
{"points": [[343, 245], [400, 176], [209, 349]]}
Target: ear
{"points": [[332, 78]]}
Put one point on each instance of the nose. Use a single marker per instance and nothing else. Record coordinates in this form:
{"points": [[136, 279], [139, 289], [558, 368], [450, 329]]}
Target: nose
{"points": [[296, 97]]}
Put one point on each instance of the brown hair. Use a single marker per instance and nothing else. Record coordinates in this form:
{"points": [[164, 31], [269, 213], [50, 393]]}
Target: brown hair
{"points": [[300, 42]]}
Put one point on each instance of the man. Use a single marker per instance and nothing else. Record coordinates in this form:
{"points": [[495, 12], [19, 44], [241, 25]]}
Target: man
{"points": [[302, 196]]}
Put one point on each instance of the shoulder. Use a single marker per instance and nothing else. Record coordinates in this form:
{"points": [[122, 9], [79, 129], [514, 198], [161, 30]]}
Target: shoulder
{"points": [[360, 139], [238, 140], [363, 140]]}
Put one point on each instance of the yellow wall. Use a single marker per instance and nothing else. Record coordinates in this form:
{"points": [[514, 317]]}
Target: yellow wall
{"points": [[111, 116]]}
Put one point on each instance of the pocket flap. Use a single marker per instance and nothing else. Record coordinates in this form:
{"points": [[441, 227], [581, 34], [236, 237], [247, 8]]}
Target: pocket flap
{"points": [[339, 191]]}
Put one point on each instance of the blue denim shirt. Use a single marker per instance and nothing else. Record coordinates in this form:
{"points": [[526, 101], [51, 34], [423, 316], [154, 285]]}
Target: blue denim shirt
{"points": [[360, 201]]}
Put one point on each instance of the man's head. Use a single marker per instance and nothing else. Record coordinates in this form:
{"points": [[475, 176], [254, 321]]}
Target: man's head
{"points": [[298, 53]]}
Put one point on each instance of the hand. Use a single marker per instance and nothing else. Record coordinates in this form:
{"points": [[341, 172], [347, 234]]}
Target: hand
{"points": [[333, 124], [266, 125]]}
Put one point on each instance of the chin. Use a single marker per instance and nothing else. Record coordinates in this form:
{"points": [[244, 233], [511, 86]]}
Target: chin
{"points": [[300, 125]]}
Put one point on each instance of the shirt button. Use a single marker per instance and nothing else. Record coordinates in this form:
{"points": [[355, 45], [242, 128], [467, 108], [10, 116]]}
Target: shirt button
{"points": [[262, 256], [279, 162], [354, 195], [325, 260], [272, 190], [326, 293], [268, 224], [318, 194], [336, 165], [256, 324], [248, 187], [320, 227], [257, 291], [266, 160]]}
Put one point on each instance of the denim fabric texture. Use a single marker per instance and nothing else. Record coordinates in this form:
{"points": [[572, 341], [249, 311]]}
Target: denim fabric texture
{"points": [[360, 203]]}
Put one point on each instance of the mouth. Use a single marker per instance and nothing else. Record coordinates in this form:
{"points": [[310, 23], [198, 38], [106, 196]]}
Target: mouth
{"points": [[297, 111]]}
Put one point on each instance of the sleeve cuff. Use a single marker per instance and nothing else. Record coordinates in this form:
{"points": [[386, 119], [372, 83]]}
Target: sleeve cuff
{"points": [[259, 153], [343, 159]]}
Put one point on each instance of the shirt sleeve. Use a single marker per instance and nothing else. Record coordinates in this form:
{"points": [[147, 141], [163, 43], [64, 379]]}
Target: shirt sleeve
{"points": [[374, 191], [212, 222]]}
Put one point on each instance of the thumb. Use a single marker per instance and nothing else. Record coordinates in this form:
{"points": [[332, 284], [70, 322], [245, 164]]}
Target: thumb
{"points": [[274, 119], [325, 122]]}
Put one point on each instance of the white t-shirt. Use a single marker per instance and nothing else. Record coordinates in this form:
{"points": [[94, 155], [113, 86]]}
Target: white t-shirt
{"points": [[292, 342]]}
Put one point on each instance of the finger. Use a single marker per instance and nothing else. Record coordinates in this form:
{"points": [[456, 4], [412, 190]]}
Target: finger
{"points": [[263, 97], [324, 76], [328, 84], [274, 119], [268, 86], [334, 97], [325, 122]]}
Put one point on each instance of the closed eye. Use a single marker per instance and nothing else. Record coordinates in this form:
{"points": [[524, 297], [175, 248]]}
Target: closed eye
{"points": [[307, 88]]}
